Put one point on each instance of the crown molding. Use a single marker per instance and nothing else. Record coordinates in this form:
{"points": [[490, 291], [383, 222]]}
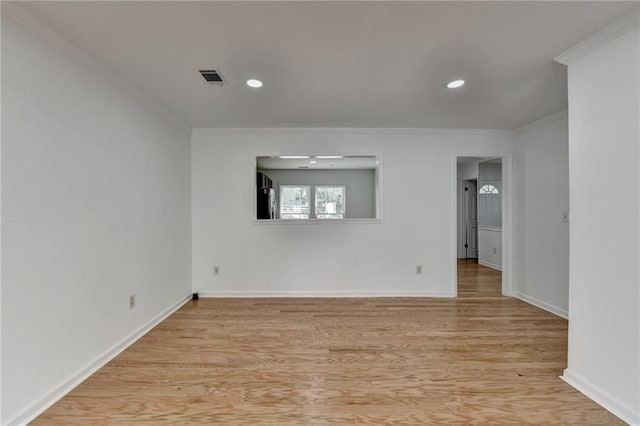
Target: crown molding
{"points": [[541, 122], [603, 36], [348, 130], [20, 15]]}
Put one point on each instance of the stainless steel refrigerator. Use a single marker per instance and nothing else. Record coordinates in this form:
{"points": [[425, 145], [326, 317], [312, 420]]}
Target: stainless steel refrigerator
{"points": [[266, 203]]}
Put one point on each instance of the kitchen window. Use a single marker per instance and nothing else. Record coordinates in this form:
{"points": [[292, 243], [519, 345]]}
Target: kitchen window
{"points": [[329, 202], [295, 201], [312, 201]]}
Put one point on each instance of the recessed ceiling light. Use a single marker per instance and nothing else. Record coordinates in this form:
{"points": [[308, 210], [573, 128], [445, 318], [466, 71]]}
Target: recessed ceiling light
{"points": [[455, 83], [312, 162], [293, 157], [254, 83], [329, 156]]}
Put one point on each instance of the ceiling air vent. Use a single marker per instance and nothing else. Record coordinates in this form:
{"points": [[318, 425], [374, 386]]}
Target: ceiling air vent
{"points": [[212, 76]]}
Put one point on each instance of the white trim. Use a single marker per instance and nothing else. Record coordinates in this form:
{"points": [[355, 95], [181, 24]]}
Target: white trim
{"points": [[347, 130], [321, 294], [508, 266], [461, 219], [455, 199], [427, 131], [612, 31], [1, 239], [490, 228], [314, 221], [30, 412], [489, 265], [601, 397], [543, 305], [539, 123], [315, 199], [379, 192], [279, 214], [508, 219]]}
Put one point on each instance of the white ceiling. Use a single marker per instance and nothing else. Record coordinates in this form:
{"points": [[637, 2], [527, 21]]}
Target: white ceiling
{"points": [[338, 64], [314, 163]]}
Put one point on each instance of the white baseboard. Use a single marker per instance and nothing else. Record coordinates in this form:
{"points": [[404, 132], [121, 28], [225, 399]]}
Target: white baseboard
{"points": [[337, 293], [33, 410], [543, 305], [489, 265], [625, 413]]}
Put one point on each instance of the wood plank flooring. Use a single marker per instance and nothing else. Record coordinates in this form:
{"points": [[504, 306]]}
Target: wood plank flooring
{"points": [[478, 359]]}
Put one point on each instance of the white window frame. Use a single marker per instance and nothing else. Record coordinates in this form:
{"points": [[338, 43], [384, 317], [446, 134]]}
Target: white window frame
{"points": [[312, 189], [344, 201], [491, 189], [280, 203]]}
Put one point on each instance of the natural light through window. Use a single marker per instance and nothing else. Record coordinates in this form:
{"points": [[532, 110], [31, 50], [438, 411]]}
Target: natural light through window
{"points": [[295, 201], [488, 189], [329, 202]]}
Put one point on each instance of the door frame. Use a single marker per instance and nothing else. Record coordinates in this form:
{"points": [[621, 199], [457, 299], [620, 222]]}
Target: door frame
{"points": [[508, 219], [464, 213]]}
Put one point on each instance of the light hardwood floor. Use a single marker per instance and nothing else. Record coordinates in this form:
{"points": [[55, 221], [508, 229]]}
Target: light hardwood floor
{"points": [[478, 359]]}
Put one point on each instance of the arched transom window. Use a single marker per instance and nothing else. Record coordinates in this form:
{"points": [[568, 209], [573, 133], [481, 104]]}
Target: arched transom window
{"points": [[488, 189]]}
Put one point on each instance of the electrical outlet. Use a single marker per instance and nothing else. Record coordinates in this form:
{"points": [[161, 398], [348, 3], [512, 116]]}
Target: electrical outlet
{"points": [[418, 269], [565, 217], [216, 270], [495, 250], [132, 301]]}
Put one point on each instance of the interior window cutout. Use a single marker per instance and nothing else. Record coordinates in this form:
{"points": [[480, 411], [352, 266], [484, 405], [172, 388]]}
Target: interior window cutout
{"points": [[302, 187], [488, 189]]}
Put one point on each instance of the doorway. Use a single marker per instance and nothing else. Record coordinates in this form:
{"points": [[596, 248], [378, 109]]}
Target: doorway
{"points": [[470, 218], [483, 233]]}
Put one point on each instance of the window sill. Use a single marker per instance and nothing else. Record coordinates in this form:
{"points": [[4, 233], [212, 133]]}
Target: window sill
{"points": [[316, 221]]}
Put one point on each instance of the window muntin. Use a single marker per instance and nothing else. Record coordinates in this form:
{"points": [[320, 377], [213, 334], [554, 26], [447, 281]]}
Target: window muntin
{"points": [[295, 201], [312, 201], [329, 202], [488, 189]]}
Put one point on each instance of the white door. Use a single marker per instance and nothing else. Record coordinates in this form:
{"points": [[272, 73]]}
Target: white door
{"points": [[471, 219]]}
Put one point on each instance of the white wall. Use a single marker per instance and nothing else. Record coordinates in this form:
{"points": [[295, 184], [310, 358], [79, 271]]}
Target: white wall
{"points": [[490, 247], [490, 170], [418, 175], [468, 170], [542, 251], [604, 175], [95, 198], [360, 186]]}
